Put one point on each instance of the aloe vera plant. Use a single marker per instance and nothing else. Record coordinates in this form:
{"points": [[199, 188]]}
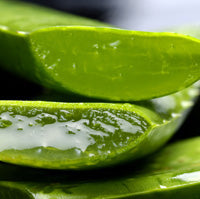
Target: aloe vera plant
{"points": [[172, 173], [88, 135], [73, 54]]}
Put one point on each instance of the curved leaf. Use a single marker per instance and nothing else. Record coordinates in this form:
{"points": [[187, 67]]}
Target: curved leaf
{"points": [[87, 135], [73, 54], [171, 173]]}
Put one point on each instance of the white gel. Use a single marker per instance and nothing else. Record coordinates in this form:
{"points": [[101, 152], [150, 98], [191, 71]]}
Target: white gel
{"points": [[28, 132], [52, 135]]}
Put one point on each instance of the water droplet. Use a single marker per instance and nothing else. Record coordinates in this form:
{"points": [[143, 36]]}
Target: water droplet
{"points": [[115, 44], [39, 150], [96, 46], [74, 66], [52, 66]]}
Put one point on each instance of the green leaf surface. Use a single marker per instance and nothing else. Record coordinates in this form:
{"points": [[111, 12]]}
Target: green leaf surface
{"points": [[73, 54], [88, 135], [174, 172]]}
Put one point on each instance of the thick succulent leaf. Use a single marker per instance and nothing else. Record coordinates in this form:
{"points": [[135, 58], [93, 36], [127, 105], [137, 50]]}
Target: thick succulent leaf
{"points": [[174, 172], [73, 54], [88, 135]]}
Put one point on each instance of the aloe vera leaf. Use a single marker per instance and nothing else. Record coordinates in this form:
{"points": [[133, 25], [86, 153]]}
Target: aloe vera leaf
{"points": [[87, 135], [174, 172], [73, 54]]}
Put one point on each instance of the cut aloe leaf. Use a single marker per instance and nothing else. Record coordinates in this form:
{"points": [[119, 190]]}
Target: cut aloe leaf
{"points": [[87, 135], [174, 172], [73, 54]]}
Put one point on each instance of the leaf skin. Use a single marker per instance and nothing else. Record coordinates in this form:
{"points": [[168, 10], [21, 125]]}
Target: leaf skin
{"points": [[73, 54], [173, 172], [81, 136]]}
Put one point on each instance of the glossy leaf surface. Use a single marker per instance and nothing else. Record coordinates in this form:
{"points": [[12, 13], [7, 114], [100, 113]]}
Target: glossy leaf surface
{"points": [[172, 173], [73, 54], [88, 135]]}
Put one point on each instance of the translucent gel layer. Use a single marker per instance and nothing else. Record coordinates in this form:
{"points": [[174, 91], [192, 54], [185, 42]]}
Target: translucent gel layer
{"points": [[67, 129]]}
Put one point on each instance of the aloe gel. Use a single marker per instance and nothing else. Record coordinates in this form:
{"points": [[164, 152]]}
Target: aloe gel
{"points": [[57, 135], [82, 56]]}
